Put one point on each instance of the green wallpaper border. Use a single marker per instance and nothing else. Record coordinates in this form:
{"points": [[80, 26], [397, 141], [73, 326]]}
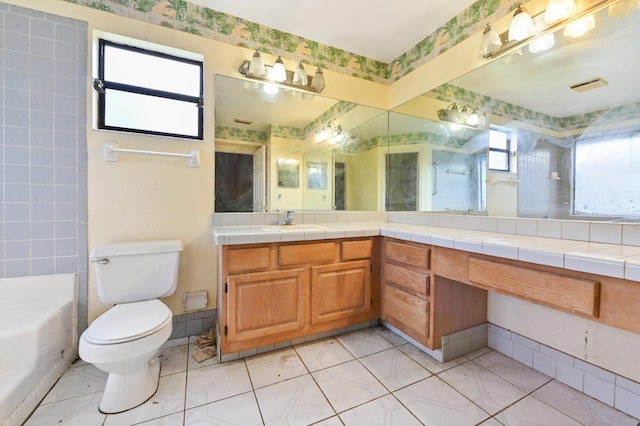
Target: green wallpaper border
{"points": [[188, 17]]}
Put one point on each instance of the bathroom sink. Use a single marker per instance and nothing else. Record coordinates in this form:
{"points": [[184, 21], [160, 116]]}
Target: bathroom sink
{"points": [[291, 228]]}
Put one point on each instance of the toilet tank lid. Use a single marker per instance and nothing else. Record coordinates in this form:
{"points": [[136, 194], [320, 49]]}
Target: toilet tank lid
{"points": [[137, 247]]}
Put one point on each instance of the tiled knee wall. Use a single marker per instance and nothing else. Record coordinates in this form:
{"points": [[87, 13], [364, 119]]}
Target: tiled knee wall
{"points": [[193, 323], [601, 384]]}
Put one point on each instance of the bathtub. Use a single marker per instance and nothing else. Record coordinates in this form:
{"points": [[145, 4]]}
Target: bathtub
{"points": [[38, 340]]}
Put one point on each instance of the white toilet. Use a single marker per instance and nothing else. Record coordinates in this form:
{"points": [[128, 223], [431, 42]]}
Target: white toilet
{"points": [[124, 340]]}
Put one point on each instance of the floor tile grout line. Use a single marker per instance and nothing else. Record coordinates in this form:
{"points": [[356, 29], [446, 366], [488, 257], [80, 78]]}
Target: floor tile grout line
{"points": [[474, 358]]}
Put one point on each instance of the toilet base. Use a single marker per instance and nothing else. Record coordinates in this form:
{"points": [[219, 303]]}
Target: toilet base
{"points": [[126, 391]]}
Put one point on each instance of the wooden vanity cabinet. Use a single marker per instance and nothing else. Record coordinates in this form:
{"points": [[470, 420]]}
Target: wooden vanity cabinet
{"points": [[281, 291], [264, 304], [421, 303]]}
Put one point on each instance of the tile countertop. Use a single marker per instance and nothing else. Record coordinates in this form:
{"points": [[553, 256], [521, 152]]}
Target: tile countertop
{"points": [[613, 260]]}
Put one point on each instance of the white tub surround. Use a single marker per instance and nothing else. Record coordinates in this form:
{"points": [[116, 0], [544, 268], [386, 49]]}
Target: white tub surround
{"points": [[38, 340]]}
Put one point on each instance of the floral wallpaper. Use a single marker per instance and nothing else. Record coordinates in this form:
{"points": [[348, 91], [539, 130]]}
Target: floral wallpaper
{"points": [[340, 108], [185, 16], [486, 104]]}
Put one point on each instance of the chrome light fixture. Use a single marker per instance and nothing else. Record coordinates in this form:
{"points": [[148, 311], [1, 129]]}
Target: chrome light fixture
{"points": [[329, 133], [464, 116], [521, 25], [540, 29], [278, 76], [491, 42]]}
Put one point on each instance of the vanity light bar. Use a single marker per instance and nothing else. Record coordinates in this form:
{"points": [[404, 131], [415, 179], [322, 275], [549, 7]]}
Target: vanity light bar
{"points": [[287, 83], [515, 45]]}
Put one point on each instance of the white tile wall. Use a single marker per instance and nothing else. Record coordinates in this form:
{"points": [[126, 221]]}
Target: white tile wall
{"points": [[605, 386], [631, 234], [550, 228], [575, 230], [603, 232], [43, 184]]}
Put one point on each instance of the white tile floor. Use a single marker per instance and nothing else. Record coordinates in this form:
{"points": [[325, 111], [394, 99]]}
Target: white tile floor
{"points": [[366, 377]]}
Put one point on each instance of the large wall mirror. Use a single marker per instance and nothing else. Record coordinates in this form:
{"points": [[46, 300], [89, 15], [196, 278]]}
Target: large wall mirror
{"points": [[280, 149], [564, 129]]}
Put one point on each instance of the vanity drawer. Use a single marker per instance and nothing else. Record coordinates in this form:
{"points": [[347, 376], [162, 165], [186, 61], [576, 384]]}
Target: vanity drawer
{"points": [[248, 259], [408, 312], [353, 250], [414, 282], [297, 254], [419, 257], [570, 294]]}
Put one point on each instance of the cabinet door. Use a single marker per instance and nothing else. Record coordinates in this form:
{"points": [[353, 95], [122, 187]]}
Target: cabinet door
{"points": [[265, 303], [339, 291]]}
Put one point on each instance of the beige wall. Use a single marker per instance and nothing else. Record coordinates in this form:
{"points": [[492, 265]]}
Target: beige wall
{"points": [[364, 180], [144, 198], [151, 198]]}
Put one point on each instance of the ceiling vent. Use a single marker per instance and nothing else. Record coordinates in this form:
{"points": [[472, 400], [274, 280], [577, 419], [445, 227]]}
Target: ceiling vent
{"points": [[242, 121], [589, 85]]}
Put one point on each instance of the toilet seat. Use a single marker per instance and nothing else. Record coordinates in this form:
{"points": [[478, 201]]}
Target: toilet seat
{"points": [[128, 321]]}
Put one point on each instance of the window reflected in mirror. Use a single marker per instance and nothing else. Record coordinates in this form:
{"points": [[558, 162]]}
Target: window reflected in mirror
{"points": [[288, 173], [316, 175]]}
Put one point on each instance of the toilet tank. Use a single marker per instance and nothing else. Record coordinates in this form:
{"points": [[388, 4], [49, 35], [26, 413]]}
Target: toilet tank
{"points": [[135, 271]]}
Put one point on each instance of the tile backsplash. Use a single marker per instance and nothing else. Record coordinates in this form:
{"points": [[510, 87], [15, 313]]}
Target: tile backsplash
{"points": [[578, 230], [43, 185]]}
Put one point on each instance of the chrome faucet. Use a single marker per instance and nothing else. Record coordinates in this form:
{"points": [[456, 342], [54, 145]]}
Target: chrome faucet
{"points": [[288, 218]]}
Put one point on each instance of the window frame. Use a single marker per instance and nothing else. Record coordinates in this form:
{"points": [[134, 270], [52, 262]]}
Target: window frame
{"points": [[506, 151], [101, 85]]}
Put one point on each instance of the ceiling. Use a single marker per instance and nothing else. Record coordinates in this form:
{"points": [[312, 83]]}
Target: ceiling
{"points": [[538, 82], [377, 29]]}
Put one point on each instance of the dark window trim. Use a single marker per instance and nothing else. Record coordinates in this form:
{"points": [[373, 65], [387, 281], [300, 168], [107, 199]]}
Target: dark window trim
{"points": [[109, 85]]}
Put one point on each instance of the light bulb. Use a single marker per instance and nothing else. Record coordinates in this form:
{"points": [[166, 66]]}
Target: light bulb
{"points": [[558, 9], [317, 83], [521, 25], [256, 67], [278, 72], [299, 76], [490, 41], [473, 120], [543, 43], [579, 28], [270, 89]]}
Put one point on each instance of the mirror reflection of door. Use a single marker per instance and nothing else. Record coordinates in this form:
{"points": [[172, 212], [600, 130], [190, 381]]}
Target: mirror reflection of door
{"points": [[234, 182], [339, 185], [402, 181], [259, 167]]}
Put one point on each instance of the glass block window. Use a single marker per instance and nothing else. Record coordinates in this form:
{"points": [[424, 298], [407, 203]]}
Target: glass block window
{"points": [[607, 176]]}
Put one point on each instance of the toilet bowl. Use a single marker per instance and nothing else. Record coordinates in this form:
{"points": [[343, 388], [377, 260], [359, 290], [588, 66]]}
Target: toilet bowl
{"points": [[125, 339]]}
